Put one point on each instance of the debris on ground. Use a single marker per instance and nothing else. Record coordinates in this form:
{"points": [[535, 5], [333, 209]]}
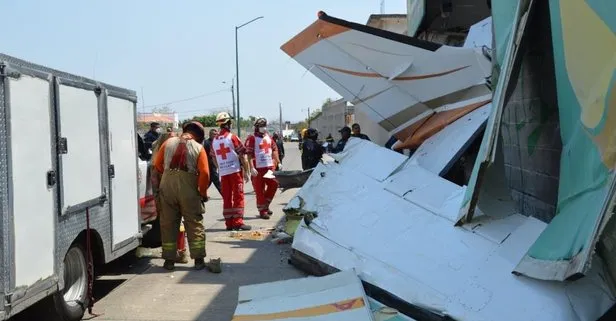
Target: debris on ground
{"points": [[258, 235], [339, 297], [294, 213], [145, 252], [214, 265], [281, 238]]}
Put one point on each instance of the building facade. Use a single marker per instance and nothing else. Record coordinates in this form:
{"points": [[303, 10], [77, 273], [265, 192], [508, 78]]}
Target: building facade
{"points": [[333, 117]]}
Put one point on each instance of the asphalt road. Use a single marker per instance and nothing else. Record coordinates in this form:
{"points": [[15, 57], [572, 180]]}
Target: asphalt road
{"points": [[132, 289]]}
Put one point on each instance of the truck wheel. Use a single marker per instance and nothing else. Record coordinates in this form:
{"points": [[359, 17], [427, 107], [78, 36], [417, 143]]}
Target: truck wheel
{"points": [[71, 303]]}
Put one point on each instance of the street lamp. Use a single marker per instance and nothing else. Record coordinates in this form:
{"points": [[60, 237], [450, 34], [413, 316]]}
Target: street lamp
{"points": [[232, 95], [237, 73]]}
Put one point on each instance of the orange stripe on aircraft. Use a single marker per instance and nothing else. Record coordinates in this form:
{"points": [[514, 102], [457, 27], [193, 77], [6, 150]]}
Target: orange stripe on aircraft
{"points": [[312, 34], [330, 308], [375, 75]]}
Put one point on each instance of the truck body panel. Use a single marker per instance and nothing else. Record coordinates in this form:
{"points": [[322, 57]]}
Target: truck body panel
{"points": [[67, 153]]}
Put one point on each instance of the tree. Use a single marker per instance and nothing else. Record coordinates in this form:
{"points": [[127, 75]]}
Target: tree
{"points": [[162, 110], [210, 121], [326, 102]]}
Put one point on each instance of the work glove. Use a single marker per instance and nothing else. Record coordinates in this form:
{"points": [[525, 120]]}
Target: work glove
{"points": [[253, 172]]}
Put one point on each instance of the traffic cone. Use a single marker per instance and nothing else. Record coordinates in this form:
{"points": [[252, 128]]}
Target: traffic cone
{"points": [[181, 245]]}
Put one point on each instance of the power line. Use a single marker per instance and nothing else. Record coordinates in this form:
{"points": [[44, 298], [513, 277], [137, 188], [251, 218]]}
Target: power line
{"points": [[208, 110], [187, 99]]}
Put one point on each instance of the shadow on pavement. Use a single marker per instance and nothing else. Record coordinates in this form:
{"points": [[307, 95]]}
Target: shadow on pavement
{"points": [[268, 263]]}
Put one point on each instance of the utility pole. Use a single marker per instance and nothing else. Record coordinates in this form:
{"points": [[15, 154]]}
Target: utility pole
{"points": [[309, 117], [280, 117], [233, 100]]}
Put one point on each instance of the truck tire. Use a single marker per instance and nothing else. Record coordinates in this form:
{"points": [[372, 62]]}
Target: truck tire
{"points": [[70, 304]]}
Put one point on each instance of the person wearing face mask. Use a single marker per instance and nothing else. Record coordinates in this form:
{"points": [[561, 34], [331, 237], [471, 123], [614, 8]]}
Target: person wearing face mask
{"points": [[229, 154], [152, 135], [263, 156]]}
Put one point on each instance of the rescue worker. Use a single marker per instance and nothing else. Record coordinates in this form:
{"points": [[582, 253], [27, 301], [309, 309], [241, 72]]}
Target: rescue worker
{"points": [[356, 132], [312, 151], [152, 135], [230, 156], [262, 154], [330, 142], [301, 137], [214, 179], [155, 179], [280, 145], [345, 134], [183, 190]]}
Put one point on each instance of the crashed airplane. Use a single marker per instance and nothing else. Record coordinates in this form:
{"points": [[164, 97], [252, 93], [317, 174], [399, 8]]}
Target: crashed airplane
{"points": [[471, 251]]}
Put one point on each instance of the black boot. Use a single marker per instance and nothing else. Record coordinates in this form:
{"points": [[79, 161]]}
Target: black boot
{"points": [[244, 227], [169, 265], [199, 264]]}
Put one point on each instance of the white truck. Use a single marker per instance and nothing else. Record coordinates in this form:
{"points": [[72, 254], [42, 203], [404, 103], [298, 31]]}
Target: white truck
{"points": [[68, 185]]}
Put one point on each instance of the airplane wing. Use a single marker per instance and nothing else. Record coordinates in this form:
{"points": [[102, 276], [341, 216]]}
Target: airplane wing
{"points": [[400, 82]]}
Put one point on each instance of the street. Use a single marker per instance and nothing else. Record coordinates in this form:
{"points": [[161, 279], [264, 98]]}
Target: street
{"points": [[132, 289]]}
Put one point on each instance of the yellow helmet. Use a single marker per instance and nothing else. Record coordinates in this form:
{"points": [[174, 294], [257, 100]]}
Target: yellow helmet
{"points": [[222, 118]]}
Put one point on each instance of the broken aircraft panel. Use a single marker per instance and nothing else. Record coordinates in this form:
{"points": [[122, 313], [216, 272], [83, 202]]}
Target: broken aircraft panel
{"points": [[398, 234], [398, 81], [586, 90], [586, 186], [338, 297]]}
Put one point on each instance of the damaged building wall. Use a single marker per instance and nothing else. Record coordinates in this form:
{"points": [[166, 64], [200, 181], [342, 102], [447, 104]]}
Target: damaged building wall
{"points": [[530, 125]]}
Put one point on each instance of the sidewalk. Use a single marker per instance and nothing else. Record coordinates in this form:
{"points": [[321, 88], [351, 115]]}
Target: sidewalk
{"points": [[186, 294]]}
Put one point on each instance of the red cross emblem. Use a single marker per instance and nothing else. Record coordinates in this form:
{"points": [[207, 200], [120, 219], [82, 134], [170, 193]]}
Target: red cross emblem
{"points": [[223, 151], [265, 146]]}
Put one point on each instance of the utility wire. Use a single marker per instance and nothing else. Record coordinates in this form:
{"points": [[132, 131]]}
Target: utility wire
{"points": [[187, 99], [206, 110]]}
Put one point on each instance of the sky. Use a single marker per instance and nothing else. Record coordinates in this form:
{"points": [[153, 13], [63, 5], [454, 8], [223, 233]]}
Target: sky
{"points": [[174, 50]]}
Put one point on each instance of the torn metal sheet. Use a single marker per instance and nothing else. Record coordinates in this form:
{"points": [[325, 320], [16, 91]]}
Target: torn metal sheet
{"points": [[410, 248], [480, 35], [490, 142], [586, 89], [336, 297], [438, 153], [398, 81], [382, 162]]}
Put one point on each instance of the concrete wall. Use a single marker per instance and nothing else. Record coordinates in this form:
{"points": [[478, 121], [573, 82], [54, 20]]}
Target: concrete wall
{"points": [[331, 118], [530, 125], [376, 133], [391, 22]]}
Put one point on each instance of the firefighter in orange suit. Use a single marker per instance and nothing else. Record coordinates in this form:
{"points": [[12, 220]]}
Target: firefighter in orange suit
{"points": [[229, 153], [183, 190], [262, 157]]}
